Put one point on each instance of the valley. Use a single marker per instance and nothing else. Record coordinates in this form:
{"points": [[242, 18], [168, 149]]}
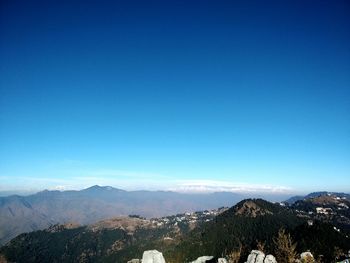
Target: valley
{"points": [[183, 237]]}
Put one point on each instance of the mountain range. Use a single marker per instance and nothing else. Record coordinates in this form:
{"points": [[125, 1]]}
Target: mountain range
{"points": [[19, 214], [237, 230], [106, 224]]}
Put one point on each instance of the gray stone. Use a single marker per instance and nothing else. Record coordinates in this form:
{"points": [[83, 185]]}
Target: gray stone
{"points": [[257, 256], [152, 256], [306, 256], [202, 259], [270, 259], [222, 260], [134, 260]]}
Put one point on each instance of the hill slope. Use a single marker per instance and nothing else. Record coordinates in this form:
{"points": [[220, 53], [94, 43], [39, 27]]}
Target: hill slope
{"points": [[19, 214], [244, 224], [296, 198], [121, 239]]}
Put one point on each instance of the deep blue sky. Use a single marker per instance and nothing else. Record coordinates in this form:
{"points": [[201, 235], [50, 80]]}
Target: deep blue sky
{"points": [[171, 94]]}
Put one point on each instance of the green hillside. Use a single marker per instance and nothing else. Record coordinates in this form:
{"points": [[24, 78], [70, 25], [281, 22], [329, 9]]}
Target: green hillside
{"points": [[240, 227]]}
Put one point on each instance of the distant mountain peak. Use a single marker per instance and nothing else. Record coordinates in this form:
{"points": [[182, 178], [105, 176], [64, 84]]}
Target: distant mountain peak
{"points": [[94, 187], [251, 208], [101, 188], [316, 195]]}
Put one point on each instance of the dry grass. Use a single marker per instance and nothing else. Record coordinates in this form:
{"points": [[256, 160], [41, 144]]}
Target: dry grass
{"points": [[129, 224]]}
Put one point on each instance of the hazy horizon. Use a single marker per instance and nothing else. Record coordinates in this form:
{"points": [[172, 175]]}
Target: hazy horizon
{"points": [[244, 193], [184, 96]]}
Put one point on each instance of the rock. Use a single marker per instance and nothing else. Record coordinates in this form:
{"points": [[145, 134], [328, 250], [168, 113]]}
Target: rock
{"points": [[306, 257], [152, 256], [270, 259], [209, 259], [134, 260], [257, 256], [202, 259]]}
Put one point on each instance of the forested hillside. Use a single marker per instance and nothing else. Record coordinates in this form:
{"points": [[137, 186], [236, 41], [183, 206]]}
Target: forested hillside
{"points": [[251, 224]]}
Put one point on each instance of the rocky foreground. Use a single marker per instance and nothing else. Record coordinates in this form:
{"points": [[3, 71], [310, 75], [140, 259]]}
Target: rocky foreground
{"points": [[256, 256]]}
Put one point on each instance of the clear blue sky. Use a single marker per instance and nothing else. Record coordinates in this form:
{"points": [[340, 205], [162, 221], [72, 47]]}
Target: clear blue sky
{"points": [[171, 94]]}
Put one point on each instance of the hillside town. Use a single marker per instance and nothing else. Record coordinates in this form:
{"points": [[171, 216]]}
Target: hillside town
{"points": [[189, 218]]}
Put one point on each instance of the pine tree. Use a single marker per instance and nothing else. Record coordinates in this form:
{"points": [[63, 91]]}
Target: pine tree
{"points": [[261, 246], [285, 247], [235, 255]]}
